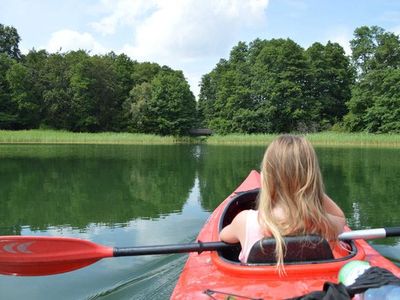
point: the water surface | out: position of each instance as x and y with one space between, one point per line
147 195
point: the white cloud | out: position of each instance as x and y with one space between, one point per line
121 13
183 29
190 35
342 36
66 40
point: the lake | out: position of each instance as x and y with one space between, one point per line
125 196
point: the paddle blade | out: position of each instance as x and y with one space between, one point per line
37 256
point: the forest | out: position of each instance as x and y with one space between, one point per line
265 86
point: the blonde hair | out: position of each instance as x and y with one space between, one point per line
291 180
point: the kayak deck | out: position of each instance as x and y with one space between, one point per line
217 274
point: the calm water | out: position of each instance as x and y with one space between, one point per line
147 195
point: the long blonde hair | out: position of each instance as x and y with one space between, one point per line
291 180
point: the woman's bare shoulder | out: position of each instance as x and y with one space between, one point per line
242 216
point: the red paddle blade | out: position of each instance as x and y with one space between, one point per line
36 256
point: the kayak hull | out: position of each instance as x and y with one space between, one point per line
210 276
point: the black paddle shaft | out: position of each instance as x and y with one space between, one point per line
169 249
213 246
392 231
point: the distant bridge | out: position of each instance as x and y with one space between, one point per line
200 132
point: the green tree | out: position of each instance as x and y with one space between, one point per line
57 97
27 87
374 105
173 105
144 72
211 99
8 109
263 87
330 80
95 95
137 108
374 48
9 40
280 72
166 106
9 54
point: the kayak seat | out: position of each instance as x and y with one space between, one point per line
308 248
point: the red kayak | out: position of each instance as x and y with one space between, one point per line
219 274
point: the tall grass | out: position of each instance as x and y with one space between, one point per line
65 137
318 139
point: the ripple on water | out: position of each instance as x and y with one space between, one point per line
154 280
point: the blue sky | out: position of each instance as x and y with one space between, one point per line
189 35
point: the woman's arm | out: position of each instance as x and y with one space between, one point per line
335 213
332 208
236 231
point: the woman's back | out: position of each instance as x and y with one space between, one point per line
292 199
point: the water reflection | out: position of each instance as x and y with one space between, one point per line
222 168
365 182
45 186
147 195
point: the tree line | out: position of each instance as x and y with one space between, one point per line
76 91
277 86
266 86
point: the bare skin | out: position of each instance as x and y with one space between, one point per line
236 231
335 213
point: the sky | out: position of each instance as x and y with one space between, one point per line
188 35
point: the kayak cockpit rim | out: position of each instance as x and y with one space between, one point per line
248 200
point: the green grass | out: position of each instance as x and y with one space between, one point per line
361 139
65 137
318 139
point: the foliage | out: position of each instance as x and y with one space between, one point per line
375 102
9 40
8 109
331 78
26 84
95 92
166 106
78 92
265 86
276 86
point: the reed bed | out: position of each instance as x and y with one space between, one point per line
317 139
65 137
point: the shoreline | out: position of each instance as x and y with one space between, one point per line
327 139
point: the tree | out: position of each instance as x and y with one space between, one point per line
374 48
137 108
212 98
8 109
144 72
374 105
173 104
57 96
331 77
9 40
261 88
95 95
27 87
124 70
280 72
166 106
